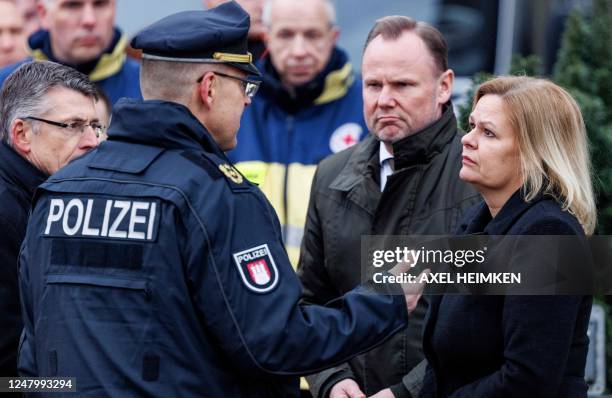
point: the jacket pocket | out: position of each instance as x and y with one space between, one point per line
97 310
98 280
101 281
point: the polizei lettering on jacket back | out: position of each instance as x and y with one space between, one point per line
96 217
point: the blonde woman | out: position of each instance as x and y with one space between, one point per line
526 153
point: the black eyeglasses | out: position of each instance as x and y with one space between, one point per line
250 87
75 127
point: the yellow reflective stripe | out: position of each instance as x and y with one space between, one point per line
298 192
294 256
337 84
270 177
303 384
108 65
254 171
298 195
38 55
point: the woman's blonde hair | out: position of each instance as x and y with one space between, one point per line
552 141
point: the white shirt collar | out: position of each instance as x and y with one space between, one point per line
384 157
384 154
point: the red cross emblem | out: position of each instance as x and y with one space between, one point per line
349 140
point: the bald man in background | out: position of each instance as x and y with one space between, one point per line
309 106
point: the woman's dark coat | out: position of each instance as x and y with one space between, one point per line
509 346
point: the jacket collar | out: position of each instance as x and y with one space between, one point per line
417 148
329 85
18 171
108 64
511 211
160 123
356 167
420 147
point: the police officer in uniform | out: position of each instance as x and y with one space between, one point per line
151 267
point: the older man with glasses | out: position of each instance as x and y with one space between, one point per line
47 118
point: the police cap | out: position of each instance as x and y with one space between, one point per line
216 35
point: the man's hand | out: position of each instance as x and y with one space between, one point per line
347 388
386 393
412 291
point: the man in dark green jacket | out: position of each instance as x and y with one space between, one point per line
402 179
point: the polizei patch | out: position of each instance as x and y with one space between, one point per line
257 268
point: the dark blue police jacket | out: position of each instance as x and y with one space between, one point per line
152 268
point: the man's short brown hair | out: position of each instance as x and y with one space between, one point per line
392 27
